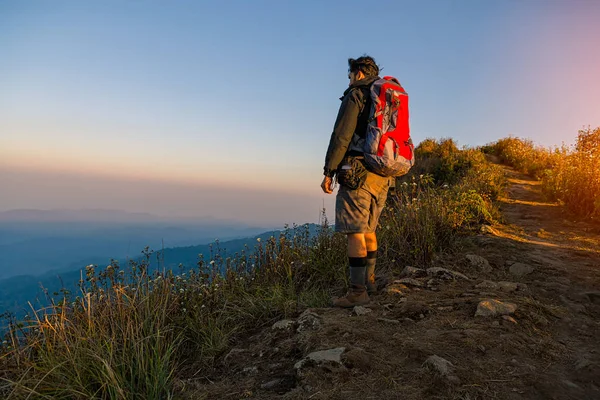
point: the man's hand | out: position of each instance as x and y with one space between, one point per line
327 185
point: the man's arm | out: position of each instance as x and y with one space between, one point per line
343 130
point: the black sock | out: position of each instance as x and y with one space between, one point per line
358 268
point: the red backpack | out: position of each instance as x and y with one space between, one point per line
389 150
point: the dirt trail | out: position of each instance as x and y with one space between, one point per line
549 348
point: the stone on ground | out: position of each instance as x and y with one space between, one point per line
487 285
479 262
520 269
308 321
360 310
397 289
493 308
324 356
440 365
283 325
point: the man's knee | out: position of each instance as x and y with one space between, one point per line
371 241
357 246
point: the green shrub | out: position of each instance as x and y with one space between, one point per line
571 176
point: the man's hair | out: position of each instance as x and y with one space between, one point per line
364 64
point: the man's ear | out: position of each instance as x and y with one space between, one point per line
359 75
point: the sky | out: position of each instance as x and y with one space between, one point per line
225 108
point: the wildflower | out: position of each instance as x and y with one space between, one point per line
184 310
181 290
203 306
258 239
212 262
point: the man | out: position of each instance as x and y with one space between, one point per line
361 198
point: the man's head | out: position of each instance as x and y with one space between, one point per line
362 67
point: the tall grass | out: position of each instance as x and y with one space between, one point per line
569 175
131 334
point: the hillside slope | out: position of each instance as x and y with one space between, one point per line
538 260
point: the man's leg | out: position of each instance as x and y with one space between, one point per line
371 247
357 258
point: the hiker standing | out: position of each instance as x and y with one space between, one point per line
362 193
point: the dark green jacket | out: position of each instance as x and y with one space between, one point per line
352 118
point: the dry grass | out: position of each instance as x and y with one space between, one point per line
131 332
568 175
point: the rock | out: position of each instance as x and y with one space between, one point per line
487 285
283 325
389 321
479 262
397 289
360 310
308 321
508 286
408 282
324 356
444 273
519 269
358 358
272 384
412 272
439 365
570 384
493 308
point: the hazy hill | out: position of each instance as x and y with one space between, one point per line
37 241
16 291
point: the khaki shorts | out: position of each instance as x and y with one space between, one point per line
358 211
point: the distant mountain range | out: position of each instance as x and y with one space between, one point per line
34 242
85 242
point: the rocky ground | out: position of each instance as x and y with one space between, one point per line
513 315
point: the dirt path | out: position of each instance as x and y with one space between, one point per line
549 348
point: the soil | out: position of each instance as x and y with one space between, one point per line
549 348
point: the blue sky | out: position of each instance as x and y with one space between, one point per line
243 94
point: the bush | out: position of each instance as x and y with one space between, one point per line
571 176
